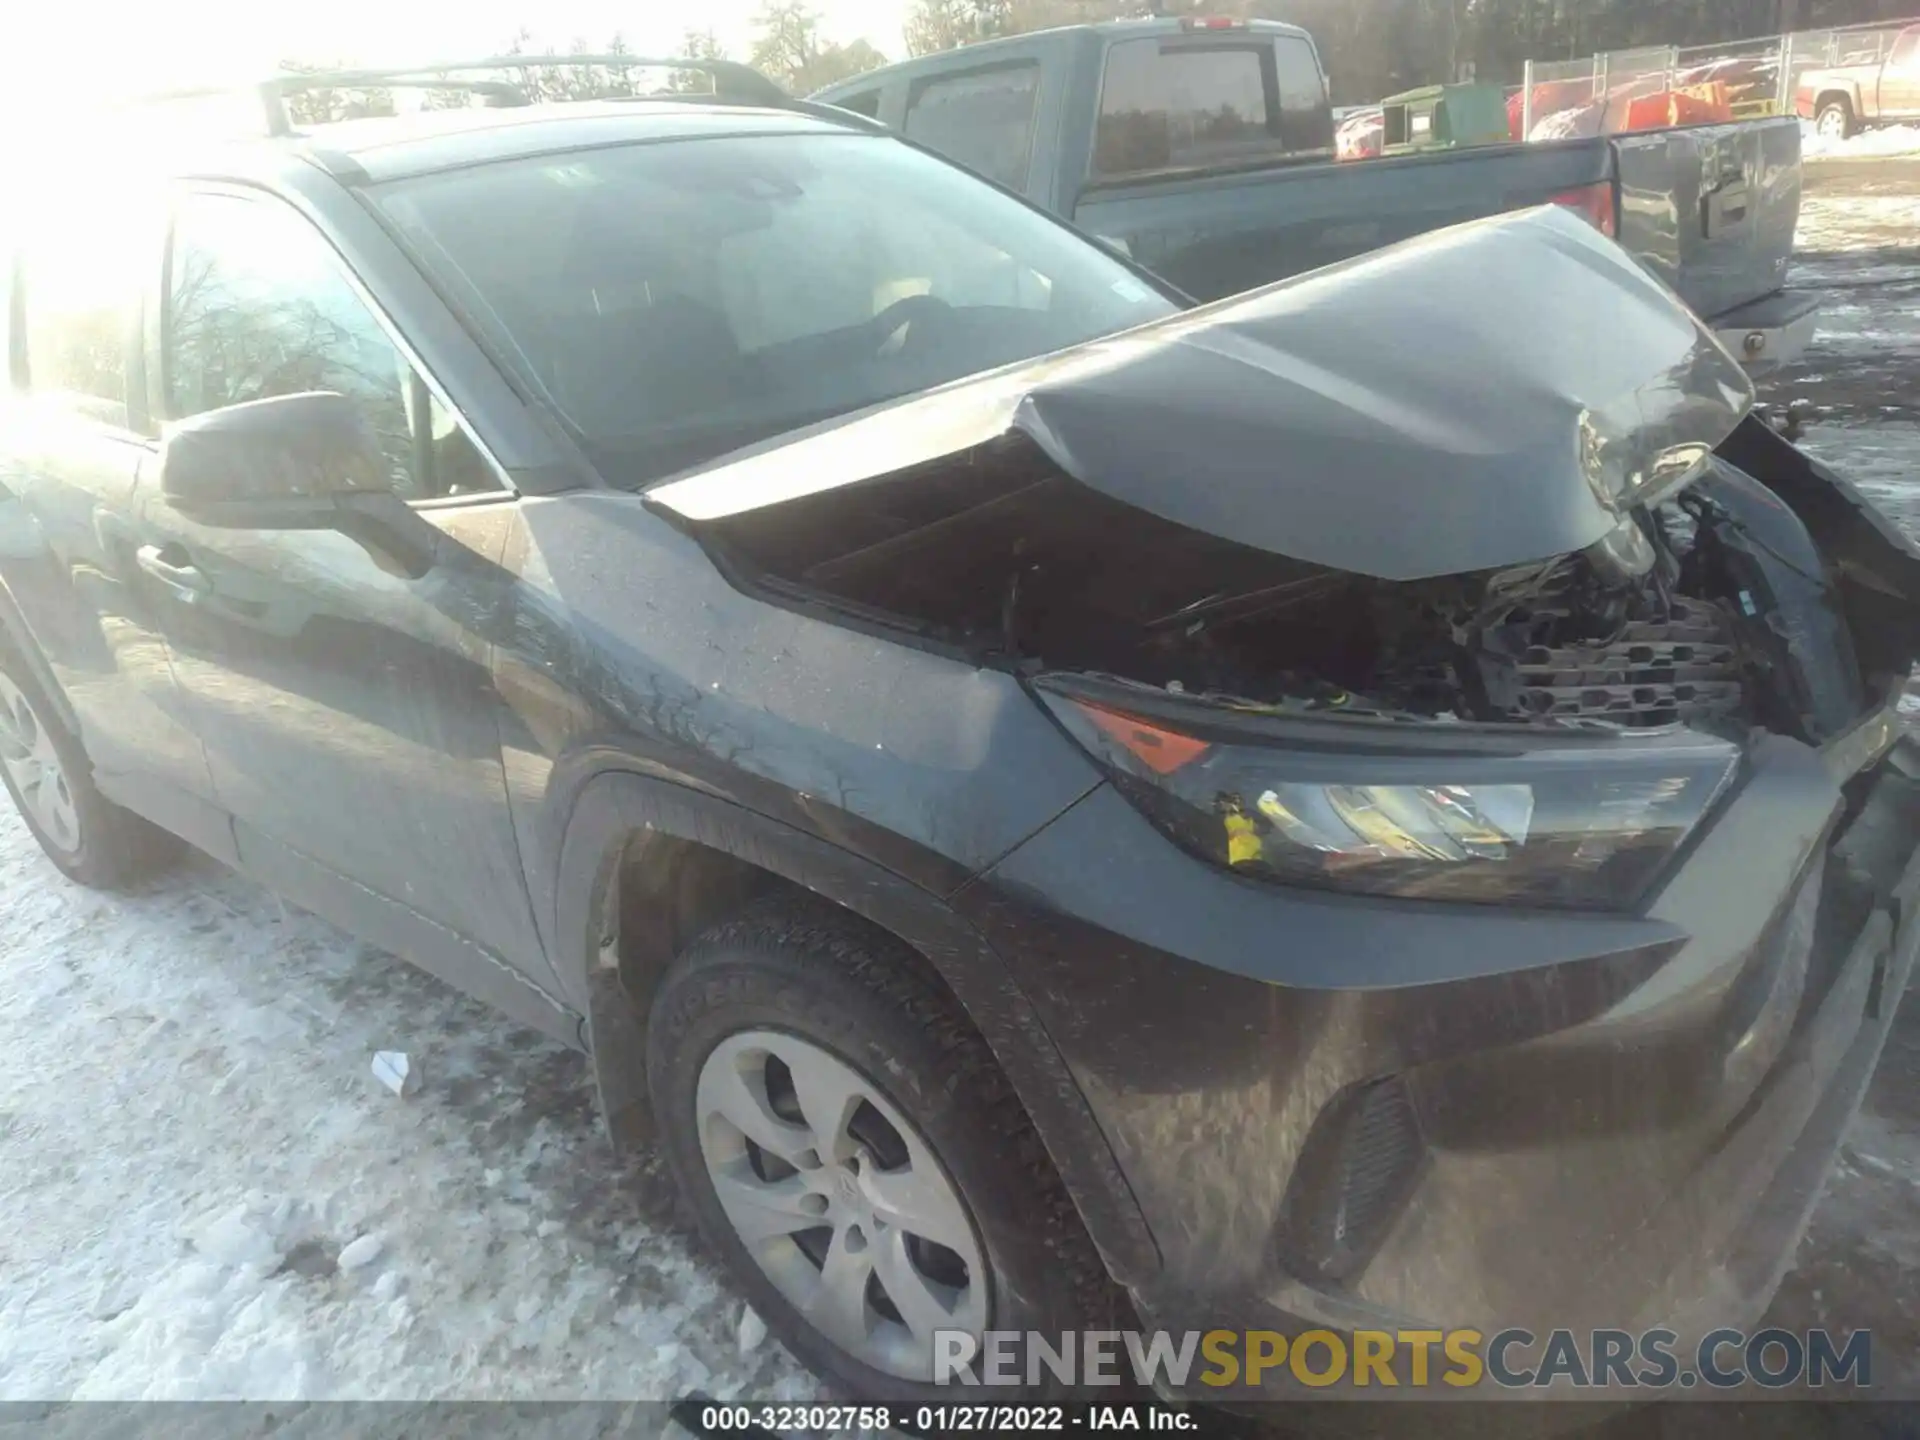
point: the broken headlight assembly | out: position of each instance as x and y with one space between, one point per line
1445 815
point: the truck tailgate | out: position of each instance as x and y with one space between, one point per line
1711 209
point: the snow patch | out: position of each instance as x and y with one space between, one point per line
190 1154
1838 224
753 1330
358 1254
1888 140
217 1324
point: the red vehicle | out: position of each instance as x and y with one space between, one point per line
1358 135
1846 99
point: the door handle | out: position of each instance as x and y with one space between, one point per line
170 565
1721 210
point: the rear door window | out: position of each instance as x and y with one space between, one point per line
80 277
983 119
1306 119
866 103
1177 103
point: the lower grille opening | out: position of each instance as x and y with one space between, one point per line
1356 1171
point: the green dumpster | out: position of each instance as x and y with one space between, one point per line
1443 117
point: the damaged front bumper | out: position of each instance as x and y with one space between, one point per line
1615 1124
1799 1117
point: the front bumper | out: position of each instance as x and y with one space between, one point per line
1351 1114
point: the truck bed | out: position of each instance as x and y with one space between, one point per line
1710 209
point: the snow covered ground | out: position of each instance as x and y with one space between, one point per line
203 1192
1890 140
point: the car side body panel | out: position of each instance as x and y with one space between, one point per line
649 702
624 637
623 800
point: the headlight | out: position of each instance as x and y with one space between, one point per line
1440 817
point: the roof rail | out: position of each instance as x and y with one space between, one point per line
731 81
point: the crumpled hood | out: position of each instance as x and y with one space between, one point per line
1483 396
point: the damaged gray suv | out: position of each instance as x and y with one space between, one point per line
1372 803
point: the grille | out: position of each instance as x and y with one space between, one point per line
1654 672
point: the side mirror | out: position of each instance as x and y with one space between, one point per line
293 462
272 459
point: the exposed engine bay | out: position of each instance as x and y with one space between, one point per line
1260 503
1497 630
1714 609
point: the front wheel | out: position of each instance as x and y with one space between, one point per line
1835 120
851 1148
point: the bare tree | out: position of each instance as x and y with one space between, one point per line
696 45
788 46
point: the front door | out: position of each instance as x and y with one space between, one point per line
347 707
1900 78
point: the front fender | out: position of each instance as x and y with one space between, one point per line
614 806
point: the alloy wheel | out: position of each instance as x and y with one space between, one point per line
839 1200
1833 123
34 766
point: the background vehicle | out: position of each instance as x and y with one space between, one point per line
1357 136
1031 792
1847 98
1199 147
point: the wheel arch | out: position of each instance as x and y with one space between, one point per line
18 640
645 864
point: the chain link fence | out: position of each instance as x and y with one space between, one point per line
1759 73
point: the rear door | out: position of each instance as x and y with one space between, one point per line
1711 209
75 439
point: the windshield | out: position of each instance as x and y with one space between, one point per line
678 300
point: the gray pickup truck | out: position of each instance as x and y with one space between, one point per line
1202 149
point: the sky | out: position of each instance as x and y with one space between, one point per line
127 47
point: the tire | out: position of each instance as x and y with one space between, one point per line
1835 120
47 773
798 981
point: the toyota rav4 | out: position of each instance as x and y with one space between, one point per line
1376 801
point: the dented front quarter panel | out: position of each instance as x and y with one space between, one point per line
1484 396
626 650
1875 566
